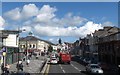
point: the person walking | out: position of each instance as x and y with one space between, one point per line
27 62
19 66
2 67
5 70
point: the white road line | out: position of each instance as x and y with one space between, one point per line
63 71
62 68
75 67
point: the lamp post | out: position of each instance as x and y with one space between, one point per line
4 36
26 50
19 31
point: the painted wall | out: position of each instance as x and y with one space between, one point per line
11 40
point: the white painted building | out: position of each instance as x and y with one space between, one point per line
55 47
33 44
9 40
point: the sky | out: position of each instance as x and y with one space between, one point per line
0 8
60 0
54 20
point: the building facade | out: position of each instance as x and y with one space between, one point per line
9 40
33 44
102 45
109 48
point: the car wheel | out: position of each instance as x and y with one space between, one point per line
68 62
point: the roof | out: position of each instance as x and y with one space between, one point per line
28 38
48 42
106 31
5 33
33 38
10 31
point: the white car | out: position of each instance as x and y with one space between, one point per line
94 68
53 60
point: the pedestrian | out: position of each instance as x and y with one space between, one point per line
19 65
5 70
27 62
24 58
2 67
29 56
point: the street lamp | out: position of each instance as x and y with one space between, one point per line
26 49
19 31
4 36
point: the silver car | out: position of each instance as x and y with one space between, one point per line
53 60
94 69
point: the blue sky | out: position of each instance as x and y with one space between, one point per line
0 8
68 20
60 0
93 11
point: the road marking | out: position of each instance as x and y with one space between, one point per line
63 71
62 68
75 67
47 70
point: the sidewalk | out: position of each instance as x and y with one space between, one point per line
34 66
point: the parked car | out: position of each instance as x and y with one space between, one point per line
81 58
94 69
87 61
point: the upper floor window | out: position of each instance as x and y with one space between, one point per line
30 46
33 46
23 46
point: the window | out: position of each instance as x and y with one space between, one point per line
23 46
30 46
33 46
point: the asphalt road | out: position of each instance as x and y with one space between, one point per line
70 69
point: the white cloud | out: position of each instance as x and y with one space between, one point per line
46 13
13 14
71 20
27 22
2 22
44 22
26 12
51 39
29 10
89 27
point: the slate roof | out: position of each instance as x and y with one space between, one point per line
106 31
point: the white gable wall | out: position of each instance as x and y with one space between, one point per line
11 40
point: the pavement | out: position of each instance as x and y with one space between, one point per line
34 65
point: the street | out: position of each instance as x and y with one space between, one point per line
73 68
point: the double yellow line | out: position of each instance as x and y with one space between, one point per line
47 69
